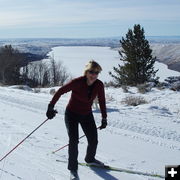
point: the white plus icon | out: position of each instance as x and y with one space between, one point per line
172 172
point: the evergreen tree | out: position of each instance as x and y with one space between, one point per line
137 56
11 60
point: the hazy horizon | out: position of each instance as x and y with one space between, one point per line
108 37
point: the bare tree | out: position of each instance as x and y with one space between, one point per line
35 72
41 73
58 72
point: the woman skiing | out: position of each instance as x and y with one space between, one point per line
78 111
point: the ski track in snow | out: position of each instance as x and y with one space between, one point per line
154 124
159 127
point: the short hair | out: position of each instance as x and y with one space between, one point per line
92 65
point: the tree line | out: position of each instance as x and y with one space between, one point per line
16 69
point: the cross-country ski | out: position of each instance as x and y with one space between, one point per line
110 168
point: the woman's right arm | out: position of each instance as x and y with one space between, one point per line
64 89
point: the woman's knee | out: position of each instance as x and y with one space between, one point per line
93 141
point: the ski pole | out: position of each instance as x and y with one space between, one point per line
68 144
22 141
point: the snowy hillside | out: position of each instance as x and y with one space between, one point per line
168 53
143 138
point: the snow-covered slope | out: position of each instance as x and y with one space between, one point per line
143 138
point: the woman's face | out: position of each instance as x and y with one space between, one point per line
92 75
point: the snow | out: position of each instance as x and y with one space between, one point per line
75 58
143 138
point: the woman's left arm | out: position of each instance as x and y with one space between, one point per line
102 100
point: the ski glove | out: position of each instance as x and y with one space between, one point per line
51 113
103 124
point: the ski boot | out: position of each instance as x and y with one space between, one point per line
96 162
74 175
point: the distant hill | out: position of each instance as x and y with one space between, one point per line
168 53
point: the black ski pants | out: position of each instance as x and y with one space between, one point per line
72 121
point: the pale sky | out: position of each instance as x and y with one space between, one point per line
87 18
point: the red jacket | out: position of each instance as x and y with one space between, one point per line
79 101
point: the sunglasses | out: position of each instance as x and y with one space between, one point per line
93 72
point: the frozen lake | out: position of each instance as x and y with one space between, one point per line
74 59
